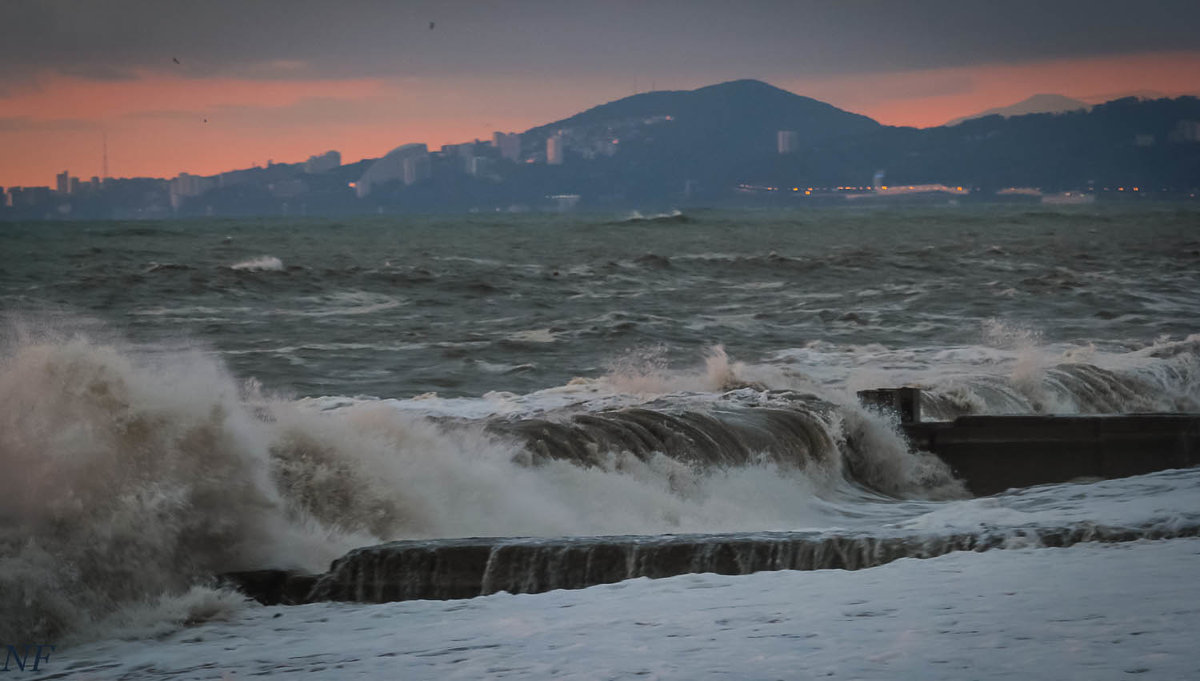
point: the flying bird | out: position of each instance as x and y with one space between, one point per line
431 25
175 59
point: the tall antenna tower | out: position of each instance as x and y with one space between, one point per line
104 161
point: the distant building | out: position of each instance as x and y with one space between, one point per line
478 165
36 195
63 182
787 141
287 189
554 149
1186 131
509 144
323 163
186 185
73 185
416 168
395 166
460 155
18 197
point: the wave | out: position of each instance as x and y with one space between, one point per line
266 263
1164 377
673 217
134 475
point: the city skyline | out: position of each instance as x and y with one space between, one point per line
206 89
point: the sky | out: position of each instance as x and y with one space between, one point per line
208 86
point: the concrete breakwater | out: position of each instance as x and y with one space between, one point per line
467 568
993 453
988 453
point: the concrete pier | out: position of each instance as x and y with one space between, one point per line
994 453
443 569
989 453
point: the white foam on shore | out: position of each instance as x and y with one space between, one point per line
1089 611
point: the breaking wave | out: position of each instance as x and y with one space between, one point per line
266 263
673 217
134 475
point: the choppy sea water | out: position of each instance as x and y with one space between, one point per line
185 398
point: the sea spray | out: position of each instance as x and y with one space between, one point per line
125 481
265 263
134 475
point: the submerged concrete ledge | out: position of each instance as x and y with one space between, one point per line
989 453
993 453
466 568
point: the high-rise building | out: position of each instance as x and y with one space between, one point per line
509 144
787 141
554 149
1185 131
323 162
63 182
73 185
416 168
185 186
396 166
19 197
478 165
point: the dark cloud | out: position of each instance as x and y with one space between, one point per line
98 71
708 38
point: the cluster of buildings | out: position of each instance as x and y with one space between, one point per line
412 163
479 172
405 165
65 185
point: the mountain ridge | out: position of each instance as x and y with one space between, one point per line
1035 104
709 146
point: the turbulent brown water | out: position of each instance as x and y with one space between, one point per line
184 398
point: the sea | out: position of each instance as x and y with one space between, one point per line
180 399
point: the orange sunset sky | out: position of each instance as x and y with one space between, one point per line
208 87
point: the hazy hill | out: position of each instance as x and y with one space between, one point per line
738 115
718 144
666 138
1122 142
1032 105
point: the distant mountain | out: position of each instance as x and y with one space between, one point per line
747 109
1148 143
713 146
668 138
1140 94
1033 105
